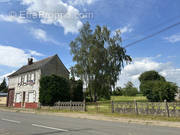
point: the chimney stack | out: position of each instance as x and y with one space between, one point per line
30 61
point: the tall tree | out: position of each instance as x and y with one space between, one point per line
3 86
99 59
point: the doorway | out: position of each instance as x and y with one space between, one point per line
10 99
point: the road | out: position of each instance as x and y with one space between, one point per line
14 123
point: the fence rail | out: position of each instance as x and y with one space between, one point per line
171 109
72 106
138 108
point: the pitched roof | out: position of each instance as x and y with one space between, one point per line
34 66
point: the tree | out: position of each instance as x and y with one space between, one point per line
130 90
76 91
149 76
117 92
3 86
156 88
99 59
53 89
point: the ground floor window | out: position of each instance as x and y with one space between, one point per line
31 97
18 97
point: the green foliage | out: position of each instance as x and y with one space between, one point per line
99 59
156 88
129 90
53 89
117 92
76 91
151 76
3 86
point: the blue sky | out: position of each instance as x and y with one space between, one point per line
43 36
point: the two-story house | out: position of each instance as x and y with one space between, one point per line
23 86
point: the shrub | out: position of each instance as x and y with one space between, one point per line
53 89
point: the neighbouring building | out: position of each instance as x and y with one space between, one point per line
23 85
3 99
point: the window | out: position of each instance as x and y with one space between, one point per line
33 77
31 97
25 78
18 97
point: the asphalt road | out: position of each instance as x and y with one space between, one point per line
12 123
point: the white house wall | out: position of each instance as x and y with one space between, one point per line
13 83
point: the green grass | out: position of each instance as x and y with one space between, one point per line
128 99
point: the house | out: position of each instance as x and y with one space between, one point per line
23 86
3 99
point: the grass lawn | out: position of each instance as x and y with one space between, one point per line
127 99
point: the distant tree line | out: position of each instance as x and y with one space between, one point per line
3 86
128 90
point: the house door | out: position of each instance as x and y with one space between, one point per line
10 97
24 96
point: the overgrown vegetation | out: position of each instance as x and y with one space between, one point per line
53 89
156 88
76 91
99 59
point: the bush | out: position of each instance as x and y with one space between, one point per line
53 89
158 91
76 91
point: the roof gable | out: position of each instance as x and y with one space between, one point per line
35 66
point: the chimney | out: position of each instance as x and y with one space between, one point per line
30 61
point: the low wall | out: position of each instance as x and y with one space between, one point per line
3 101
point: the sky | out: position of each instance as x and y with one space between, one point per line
42 28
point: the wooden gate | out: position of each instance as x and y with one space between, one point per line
10 98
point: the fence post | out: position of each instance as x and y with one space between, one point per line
84 105
167 107
136 107
70 105
97 110
112 106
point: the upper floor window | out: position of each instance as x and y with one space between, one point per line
27 79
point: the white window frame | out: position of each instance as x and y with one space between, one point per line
33 98
19 98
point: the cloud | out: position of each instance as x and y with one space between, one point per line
132 71
81 2
5 76
174 38
13 57
56 12
42 35
9 18
124 30
35 53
